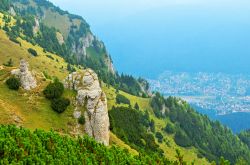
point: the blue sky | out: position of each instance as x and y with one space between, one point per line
113 9
146 37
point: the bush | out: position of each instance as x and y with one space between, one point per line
49 56
60 105
13 83
182 139
54 90
169 128
32 51
136 106
81 120
159 136
122 99
15 40
9 63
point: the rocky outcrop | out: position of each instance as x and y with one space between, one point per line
27 80
36 26
81 49
12 11
93 99
60 38
110 65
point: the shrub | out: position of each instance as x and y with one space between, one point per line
9 63
13 83
169 128
32 51
49 56
159 136
81 120
122 99
182 139
54 90
13 39
136 106
60 105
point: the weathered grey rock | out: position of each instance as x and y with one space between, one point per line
77 114
12 11
36 26
27 80
60 38
93 99
81 49
110 65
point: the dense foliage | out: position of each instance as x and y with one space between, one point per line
13 83
157 103
32 52
159 136
182 139
131 126
21 146
121 99
4 5
245 137
81 120
60 104
212 139
54 90
169 128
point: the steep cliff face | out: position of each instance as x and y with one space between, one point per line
75 41
84 42
93 99
27 80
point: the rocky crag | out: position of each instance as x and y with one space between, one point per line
93 100
27 80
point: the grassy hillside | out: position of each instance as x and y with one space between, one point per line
32 110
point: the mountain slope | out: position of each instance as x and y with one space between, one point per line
69 36
32 110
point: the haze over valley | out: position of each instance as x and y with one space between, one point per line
185 37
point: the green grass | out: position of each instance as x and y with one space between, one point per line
40 63
34 110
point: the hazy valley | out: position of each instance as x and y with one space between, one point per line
217 94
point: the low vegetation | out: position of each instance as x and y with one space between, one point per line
60 104
33 52
54 90
13 83
21 146
81 120
121 99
